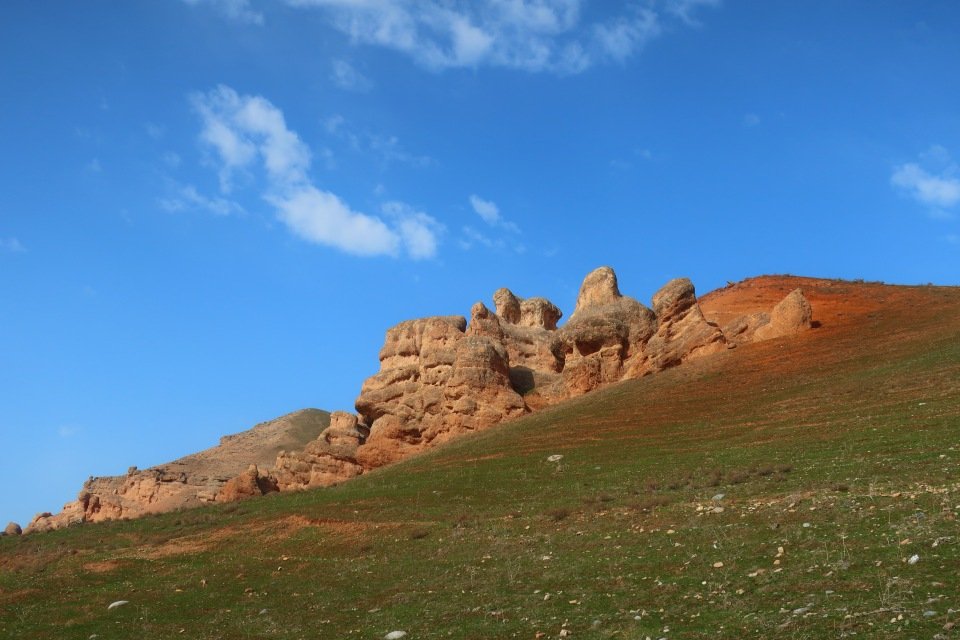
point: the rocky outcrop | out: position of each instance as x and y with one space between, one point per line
441 377
330 458
435 381
607 330
682 332
187 482
249 484
12 529
792 315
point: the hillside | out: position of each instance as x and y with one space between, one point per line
801 487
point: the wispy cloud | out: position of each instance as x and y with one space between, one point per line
12 245
187 198
345 76
67 431
531 35
686 10
751 120
933 181
236 10
249 134
471 237
386 148
490 213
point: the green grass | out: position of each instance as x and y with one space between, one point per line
842 450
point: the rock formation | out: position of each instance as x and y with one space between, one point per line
440 377
330 458
434 381
190 481
791 316
249 484
12 529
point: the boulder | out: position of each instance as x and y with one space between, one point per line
12 529
791 316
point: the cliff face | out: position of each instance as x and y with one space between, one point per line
441 377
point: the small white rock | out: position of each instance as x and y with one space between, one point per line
555 458
914 559
118 603
394 635
718 497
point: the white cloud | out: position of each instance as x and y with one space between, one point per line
751 120
237 10
323 218
249 133
12 245
187 198
345 76
490 213
242 128
418 231
486 209
532 35
933 182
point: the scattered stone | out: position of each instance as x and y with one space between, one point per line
555 458
914 559
718 497
395 635
118 603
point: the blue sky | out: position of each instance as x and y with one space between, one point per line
212 210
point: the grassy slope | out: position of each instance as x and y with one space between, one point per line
836 453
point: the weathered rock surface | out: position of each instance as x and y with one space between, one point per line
606 331
435 381
249 484
791 316
682 331
330 458
12 529
439 378
189 481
